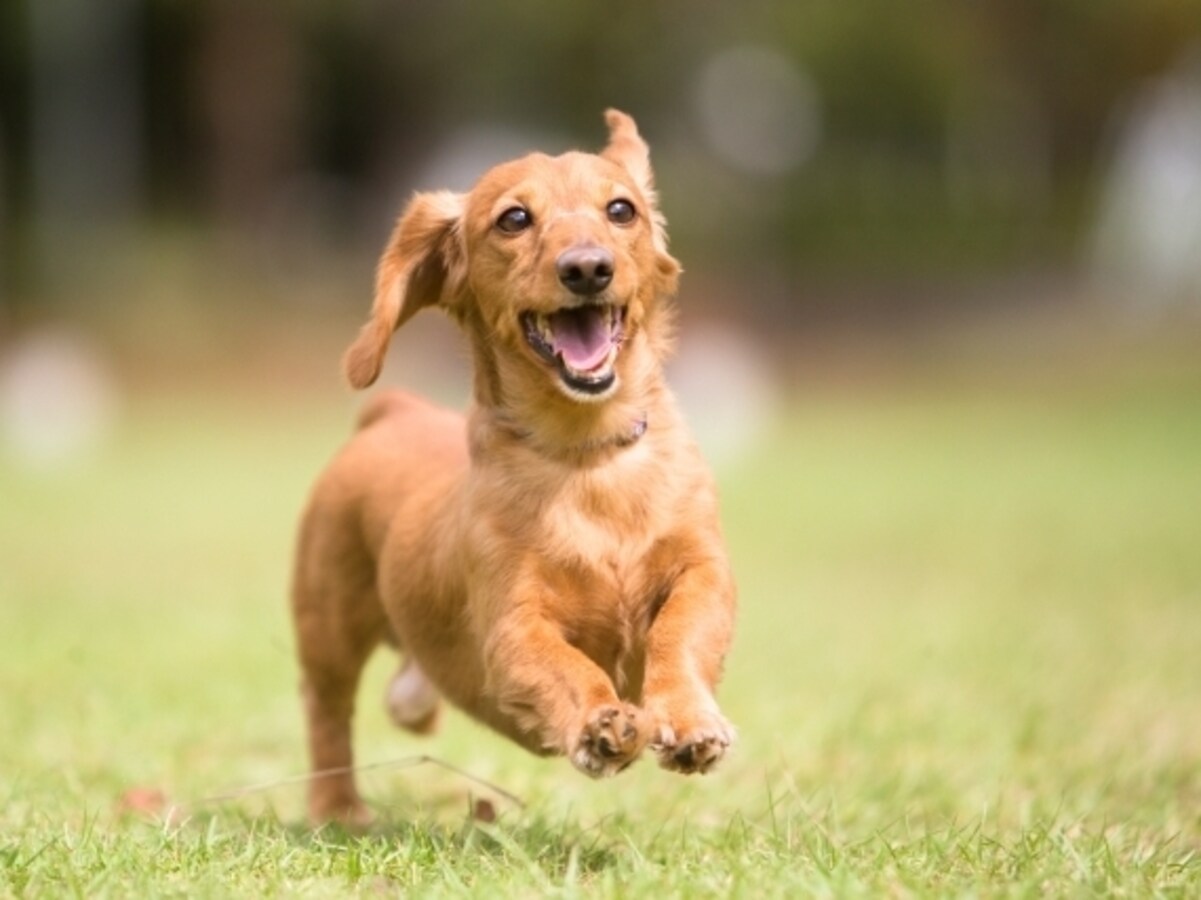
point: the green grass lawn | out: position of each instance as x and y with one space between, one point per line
968 662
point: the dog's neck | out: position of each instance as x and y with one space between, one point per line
600 443
538 416
559 428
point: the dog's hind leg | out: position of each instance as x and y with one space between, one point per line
339 621
412 700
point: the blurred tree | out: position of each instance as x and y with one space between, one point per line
953 136
249 73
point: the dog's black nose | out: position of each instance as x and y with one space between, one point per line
585 270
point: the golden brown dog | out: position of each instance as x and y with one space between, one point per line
552 563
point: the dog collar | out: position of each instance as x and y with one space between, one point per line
621 441
628 438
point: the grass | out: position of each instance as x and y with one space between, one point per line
969 662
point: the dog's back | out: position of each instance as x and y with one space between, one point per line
403 454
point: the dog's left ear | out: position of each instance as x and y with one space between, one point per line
421 265
628 149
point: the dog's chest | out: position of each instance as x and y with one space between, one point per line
607 522
599 540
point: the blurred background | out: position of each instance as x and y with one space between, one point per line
941 339
194 193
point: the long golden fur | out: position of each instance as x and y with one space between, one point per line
552 563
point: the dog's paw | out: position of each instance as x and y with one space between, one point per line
694 745
349 814
610 739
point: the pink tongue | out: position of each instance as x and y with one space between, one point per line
582 336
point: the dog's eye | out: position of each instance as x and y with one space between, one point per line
514 220
621 212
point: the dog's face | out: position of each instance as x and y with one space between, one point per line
561 260
558 261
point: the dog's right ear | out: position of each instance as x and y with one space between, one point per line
421 265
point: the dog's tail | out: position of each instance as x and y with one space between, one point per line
383 404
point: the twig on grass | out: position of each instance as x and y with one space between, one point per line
404 762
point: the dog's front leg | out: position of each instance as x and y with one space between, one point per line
686 646
551 689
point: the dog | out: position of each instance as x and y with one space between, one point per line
551 563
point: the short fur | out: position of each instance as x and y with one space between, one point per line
552 564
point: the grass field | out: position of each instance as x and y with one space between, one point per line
968 662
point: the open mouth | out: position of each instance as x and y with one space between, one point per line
582 342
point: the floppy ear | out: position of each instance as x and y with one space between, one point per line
628 149
418 267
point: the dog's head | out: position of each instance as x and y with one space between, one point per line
556 267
